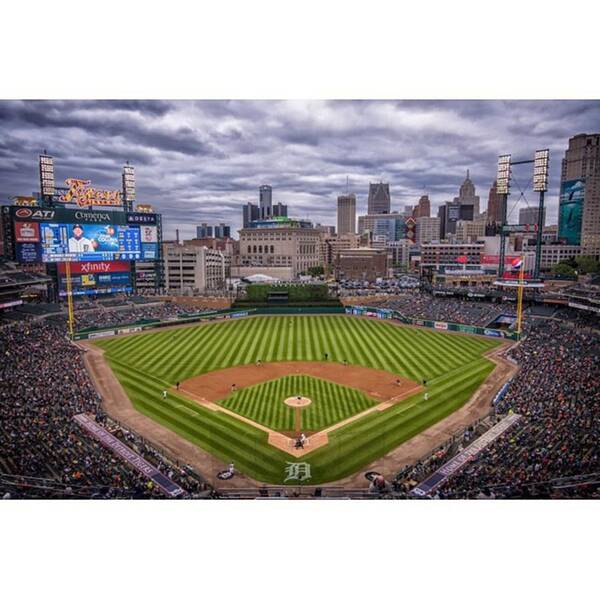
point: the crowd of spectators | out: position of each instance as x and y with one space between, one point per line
43 384
106 317
421 305
556 392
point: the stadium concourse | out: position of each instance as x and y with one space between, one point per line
553 450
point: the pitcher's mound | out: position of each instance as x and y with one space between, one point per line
297 401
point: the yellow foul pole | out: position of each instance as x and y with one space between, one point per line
69 298
520 296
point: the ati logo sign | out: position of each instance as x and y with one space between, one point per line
82 195
297 471
41 215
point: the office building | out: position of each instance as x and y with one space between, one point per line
189 269
265 201
469 231
364 264
450 213
399 253
222 231
346 214
204 231
379 201
579 203
436 254
281 249
427 229
250 213
280 210
393 226
423 208
529 215
494 207
332 246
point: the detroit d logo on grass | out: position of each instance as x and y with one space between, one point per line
297 471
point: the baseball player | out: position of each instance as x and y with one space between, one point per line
164 394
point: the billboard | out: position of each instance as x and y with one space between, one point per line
96 277
570 211
59 234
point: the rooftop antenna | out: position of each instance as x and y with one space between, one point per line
347 178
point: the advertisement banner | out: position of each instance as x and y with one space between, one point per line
467 455
494 259
492 333
27 232
106 438
28 252
101 334
440 325
100 267
570 211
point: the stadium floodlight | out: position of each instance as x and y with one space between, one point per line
503 175
47 175
129 183
540 170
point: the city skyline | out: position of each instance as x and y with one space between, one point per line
201 161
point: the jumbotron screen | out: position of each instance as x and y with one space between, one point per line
60 235
77 242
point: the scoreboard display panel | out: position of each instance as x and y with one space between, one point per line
55 235
77 242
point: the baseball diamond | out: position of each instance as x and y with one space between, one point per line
453 366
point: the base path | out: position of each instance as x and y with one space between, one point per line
415 448
379 385
117 405
382 386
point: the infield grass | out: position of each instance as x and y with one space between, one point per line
146 364
330 402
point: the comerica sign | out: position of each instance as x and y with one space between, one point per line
80 193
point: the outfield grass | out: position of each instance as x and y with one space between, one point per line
146 364
331 403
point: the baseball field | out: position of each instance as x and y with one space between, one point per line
364 379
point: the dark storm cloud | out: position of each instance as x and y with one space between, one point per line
201 160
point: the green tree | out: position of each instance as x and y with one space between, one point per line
587 264
316 271
562 268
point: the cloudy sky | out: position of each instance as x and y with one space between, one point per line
200 161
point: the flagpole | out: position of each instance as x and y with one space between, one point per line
520 296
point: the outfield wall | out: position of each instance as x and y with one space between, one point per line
385 313
380 313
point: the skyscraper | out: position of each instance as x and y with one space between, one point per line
265 201
379 199
494 207
280 210
204 231
222 231
466 195
346 214
423 208
579 205
250 212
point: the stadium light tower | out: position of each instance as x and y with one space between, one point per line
503 188
540 184
47 185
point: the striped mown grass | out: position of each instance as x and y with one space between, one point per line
331 403
146 364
